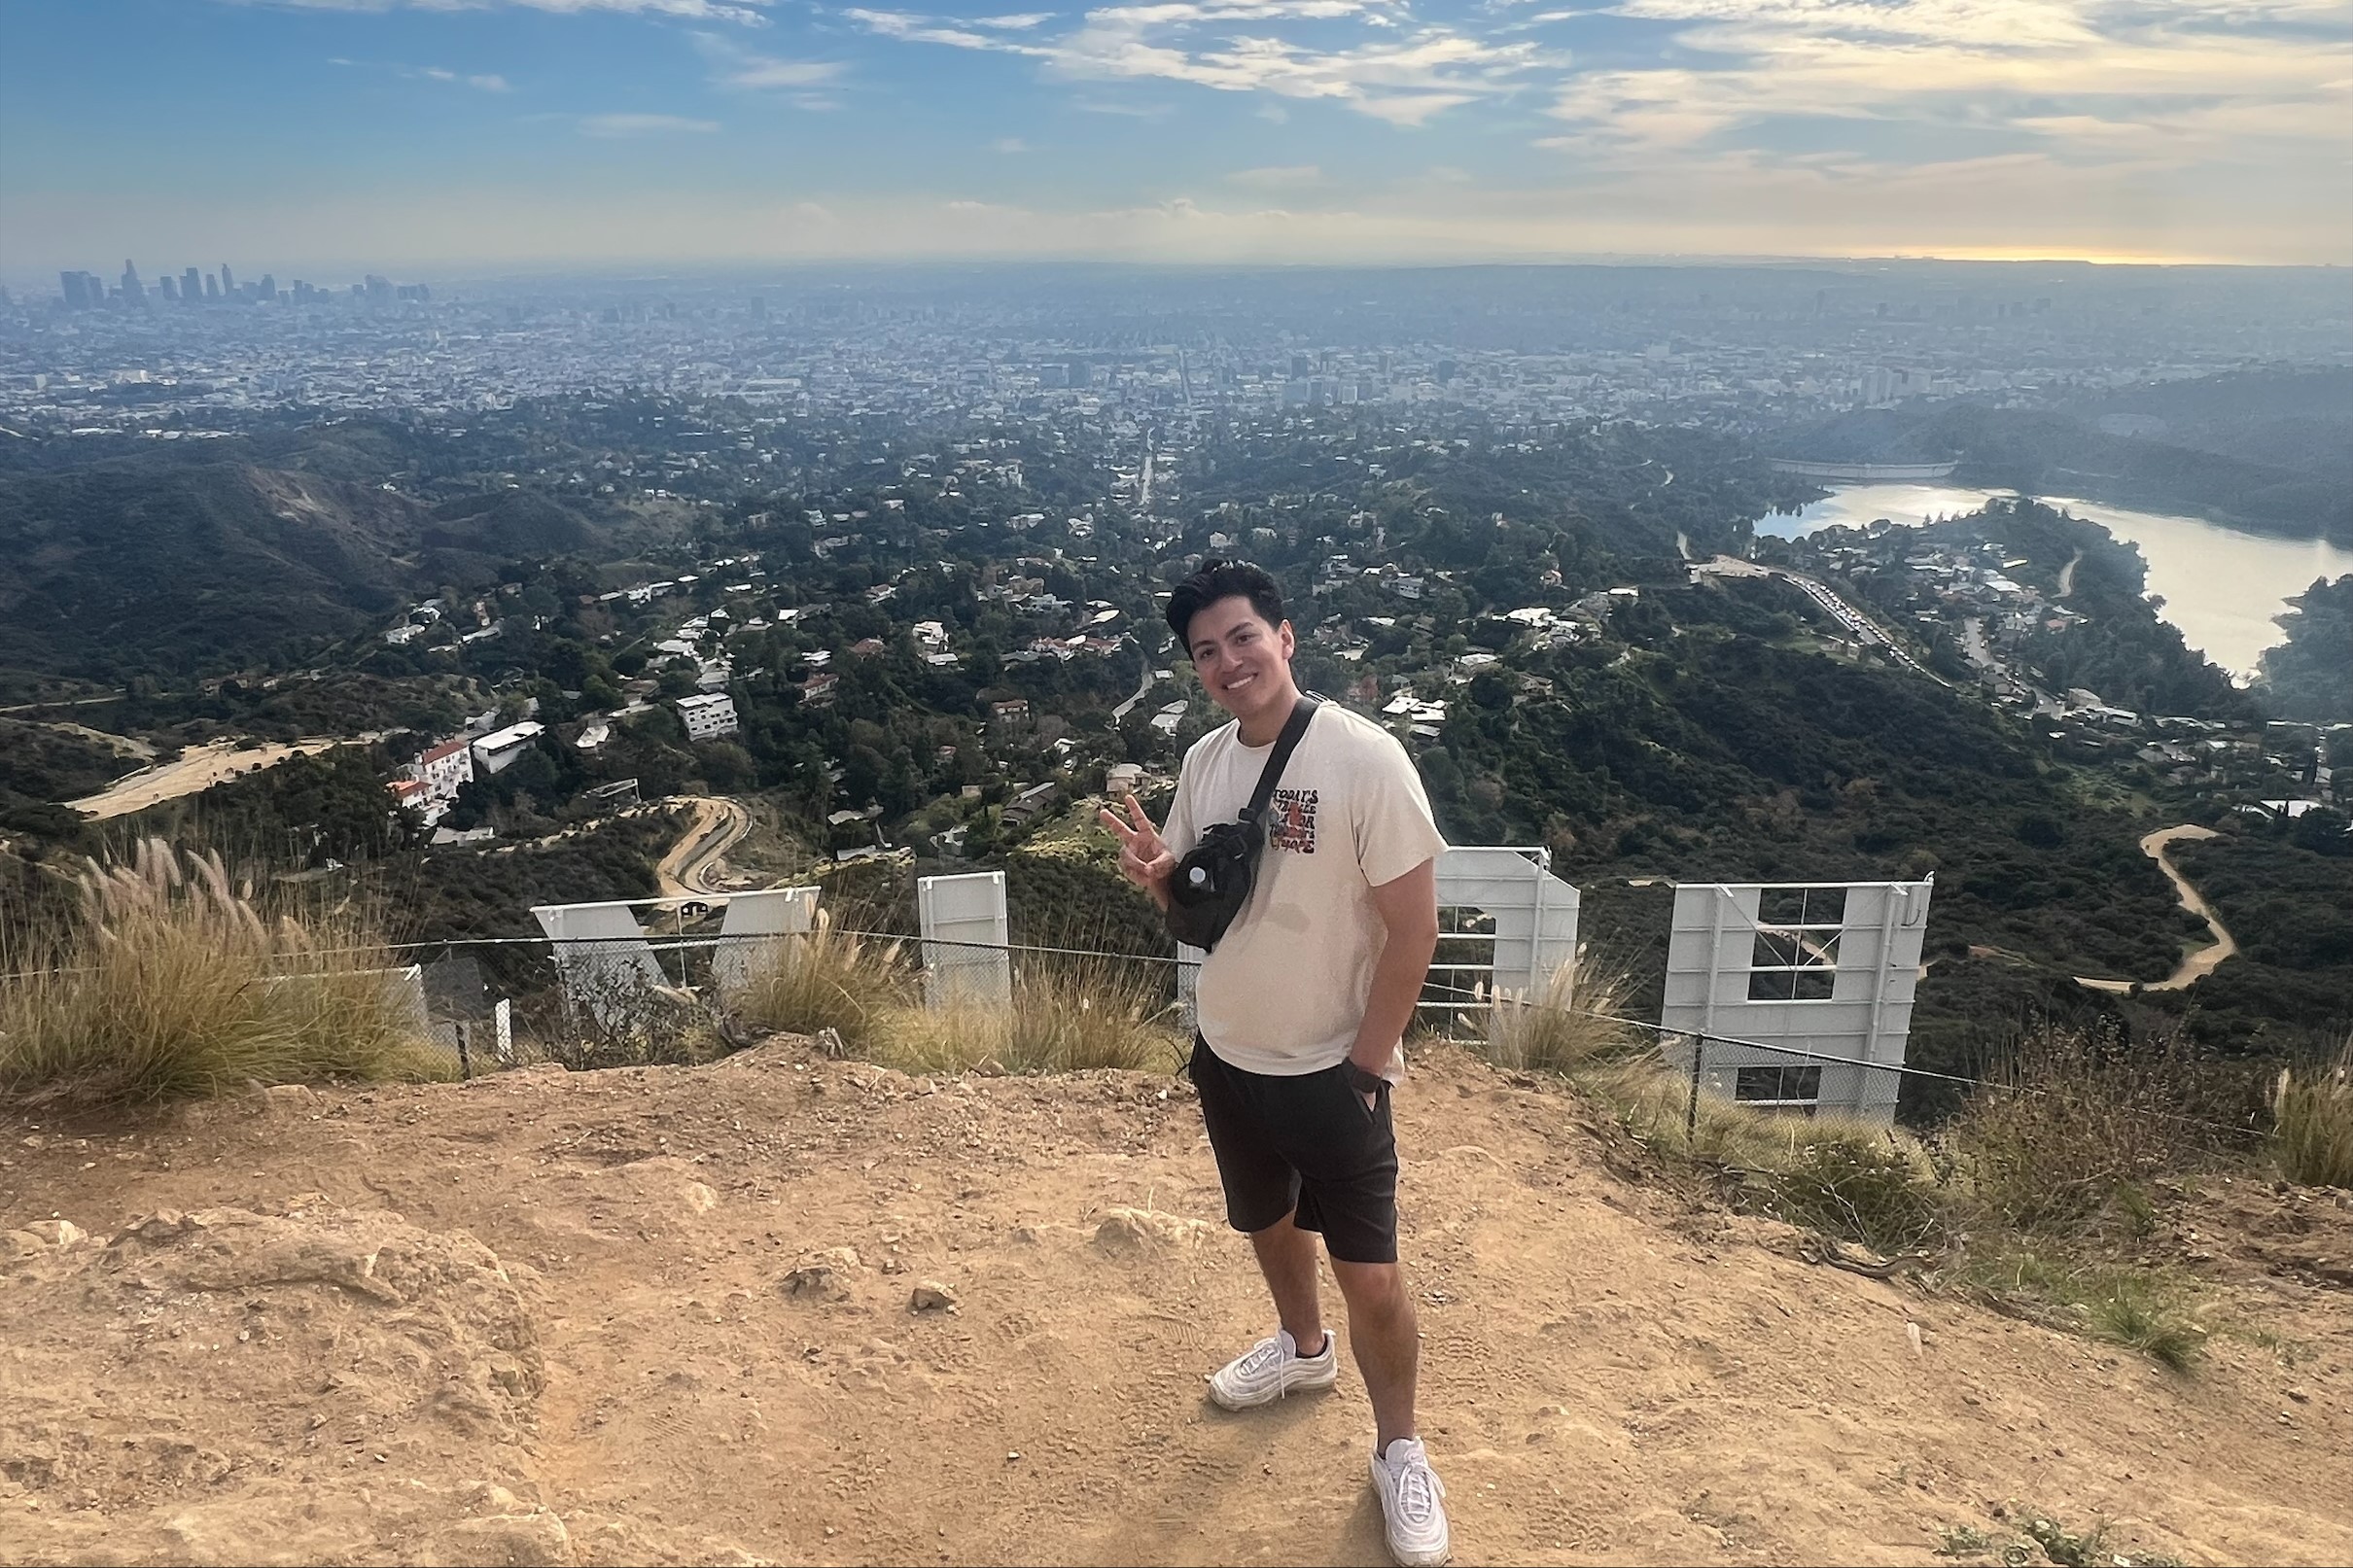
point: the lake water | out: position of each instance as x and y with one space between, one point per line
2220 586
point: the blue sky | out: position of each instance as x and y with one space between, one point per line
449 134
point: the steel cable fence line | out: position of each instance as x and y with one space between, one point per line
1471 996
674 940
1925 1073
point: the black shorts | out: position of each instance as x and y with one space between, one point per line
1306 1146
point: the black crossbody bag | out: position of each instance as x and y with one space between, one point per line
1213 881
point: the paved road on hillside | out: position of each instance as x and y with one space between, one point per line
1144 684
719 825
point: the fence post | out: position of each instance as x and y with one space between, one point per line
465 1061
1691 1110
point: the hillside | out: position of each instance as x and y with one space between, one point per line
2263 451
126 567
154 564
665 1315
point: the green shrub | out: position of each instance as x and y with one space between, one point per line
2064 1134
1866 1189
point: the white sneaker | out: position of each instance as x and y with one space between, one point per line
1273 1368
1413 1504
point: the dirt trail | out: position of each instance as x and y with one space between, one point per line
719 825
664 1314
197 768
2202 962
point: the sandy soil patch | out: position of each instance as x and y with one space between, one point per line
197 768
804 1310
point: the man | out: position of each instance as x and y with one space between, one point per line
1301 1007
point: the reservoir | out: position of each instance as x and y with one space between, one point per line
2220 586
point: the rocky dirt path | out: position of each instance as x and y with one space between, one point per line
665 1315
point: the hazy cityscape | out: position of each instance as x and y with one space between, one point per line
1740 348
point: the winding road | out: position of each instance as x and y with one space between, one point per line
719 825
1144 684
2193 965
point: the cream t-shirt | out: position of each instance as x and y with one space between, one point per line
1284 990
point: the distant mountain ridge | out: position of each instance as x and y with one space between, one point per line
2267 451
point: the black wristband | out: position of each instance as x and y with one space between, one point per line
1361 1081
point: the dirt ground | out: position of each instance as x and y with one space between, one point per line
197 768
669 1315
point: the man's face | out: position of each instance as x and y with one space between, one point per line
1244 663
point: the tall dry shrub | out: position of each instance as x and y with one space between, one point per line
1066 1015
1570 1024
828 978
2073 1124
176 980
2312 1123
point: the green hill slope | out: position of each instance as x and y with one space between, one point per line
122 568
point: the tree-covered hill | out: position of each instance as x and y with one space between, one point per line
2270 451
155 565
2310 676
127 568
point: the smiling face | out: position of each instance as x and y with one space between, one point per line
1245 664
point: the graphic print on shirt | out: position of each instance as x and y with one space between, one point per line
1291 821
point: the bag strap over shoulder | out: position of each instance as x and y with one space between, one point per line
1286 743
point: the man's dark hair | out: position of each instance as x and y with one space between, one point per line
1222 580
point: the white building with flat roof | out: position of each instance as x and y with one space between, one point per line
496 752
708 715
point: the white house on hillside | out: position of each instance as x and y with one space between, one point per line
709 716
496 752
430 784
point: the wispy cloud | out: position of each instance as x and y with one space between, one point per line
803 82
2093 80
1279 177
485 81
1011 145
1394 68
743 12
627 124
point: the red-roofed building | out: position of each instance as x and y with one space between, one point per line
437 774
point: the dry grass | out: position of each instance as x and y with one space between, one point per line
828 979
1066 1016
2066 1134
2312 1124
1839 1175
1568 1025
177 982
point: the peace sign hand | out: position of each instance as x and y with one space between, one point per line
1144 857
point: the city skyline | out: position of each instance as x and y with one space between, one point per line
523 134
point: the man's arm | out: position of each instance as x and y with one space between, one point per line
1408 906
